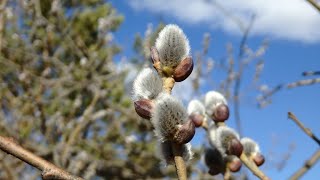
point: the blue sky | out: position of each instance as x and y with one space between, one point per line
292 27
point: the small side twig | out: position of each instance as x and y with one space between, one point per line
304 82
306 130
307 165
253 167
49 170
314 4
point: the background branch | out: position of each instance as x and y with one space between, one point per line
308 164
306 130
314 4
49 170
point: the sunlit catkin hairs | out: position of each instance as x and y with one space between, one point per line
166 154
252 150
170 56
225 139
147 85
172 45
197 112
170 120
216 106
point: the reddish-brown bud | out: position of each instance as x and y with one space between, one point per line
154 55
235 165
221 113
258 159
185 133
197 119
183 70
144 108
235 147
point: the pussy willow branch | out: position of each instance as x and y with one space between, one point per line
303 128
239 76
314 4
49 170
246 161
307 165
314 158
180 165
253 167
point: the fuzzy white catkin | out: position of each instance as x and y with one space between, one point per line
212 100
147 85
250 147
166 154
167 116
219 135
195 106
172 45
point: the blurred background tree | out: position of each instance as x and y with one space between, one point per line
63 97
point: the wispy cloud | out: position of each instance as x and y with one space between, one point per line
285 19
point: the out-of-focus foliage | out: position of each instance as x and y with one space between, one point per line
62 97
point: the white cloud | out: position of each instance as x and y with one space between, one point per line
283 19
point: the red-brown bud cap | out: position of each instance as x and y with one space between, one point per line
234 147
234 165
197 119
221 113
258 159
144 108
183 70
185 133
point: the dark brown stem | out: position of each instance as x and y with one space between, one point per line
49 170
303 128
308 164
314 4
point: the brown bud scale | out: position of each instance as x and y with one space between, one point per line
184 133
183 70
221 113
144 108
197 119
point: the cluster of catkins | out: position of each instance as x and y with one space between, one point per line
226 145
152 93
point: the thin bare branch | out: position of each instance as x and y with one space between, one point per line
49 170
253 167
304 82
239 76
314 4
306 130
310 73
307 165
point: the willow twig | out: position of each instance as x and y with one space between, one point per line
181 170
253 167
306 130
49 170
307 165
314 4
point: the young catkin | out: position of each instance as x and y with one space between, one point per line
220 136
147 85
168 115
172 45
250 147
212 100
195 106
